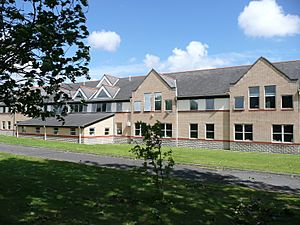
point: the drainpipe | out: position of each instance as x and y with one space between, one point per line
17 131
176 112
79 135
14 124
45 133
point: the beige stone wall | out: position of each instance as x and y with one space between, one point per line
100 128
153 83
125 119
12 118
262 74
64 131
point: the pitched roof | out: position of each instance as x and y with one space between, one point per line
71 120
127 85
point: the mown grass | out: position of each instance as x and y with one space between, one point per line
36 191
280 163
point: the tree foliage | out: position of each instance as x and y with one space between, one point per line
41 46
161 162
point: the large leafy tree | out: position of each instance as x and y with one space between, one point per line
41 46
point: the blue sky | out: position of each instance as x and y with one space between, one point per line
129 37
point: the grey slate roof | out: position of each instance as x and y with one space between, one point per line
112 79
71 120
127 85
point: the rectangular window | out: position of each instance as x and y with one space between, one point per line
157 100
75 108
287 102
101 107
119 128
106 131
72 131
3 125
23 129
55 130
37 130
270 97
193 104
168 105
119 106
210 131
92 131
243 132
209 104
239 102
147 102
193 130
8 125
166 130
283 133
137 129
137 106
253 97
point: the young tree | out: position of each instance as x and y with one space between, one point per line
160 161
41 46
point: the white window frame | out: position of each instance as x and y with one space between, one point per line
292 101
249 97
269 95
139 129
148 109
190 131
243 131
209 131
282 133
161 100
164 130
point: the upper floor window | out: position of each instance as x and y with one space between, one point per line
239 102
209 104
147 102
158 98
137 106
78 108
79 95
253 97
287 101
193 130
102 94
243 132
270 97
193 104
168 105
283 133
119 106
101 107
166 130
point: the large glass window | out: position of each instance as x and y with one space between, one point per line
78 108
270 97
253 97
101 107
283 133
119 106
147 102
210 131
137 106
193 130
168 105
193 104
239 102
243 132
158 100
209 104
166 130
287 101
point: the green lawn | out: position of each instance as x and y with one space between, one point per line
35 191
281 163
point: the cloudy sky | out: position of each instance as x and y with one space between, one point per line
129 37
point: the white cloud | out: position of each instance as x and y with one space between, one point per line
267 19
105 40
194 57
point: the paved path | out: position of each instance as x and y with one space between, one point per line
261 180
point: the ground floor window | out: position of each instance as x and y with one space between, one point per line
72 131
37 130
23 129
210 131
106 131
166 130
193 130
119 128
138 129
92 131
3 125
283 133
55 130
243 132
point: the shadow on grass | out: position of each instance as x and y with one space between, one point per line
53 192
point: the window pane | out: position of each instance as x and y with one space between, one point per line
248 128
119 106
239 128
147 99
194 126
169 126
168 104
238 136
288 137
210 104
270 90
157 101
287 101
193 104
194 134
270 102
210 135
254 102
276 128
254 91
277 137
239 102
169 133
210 127
137 106
249 136
288 129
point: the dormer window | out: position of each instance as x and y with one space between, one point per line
79 95
102 94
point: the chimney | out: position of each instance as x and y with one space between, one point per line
129 78
83 83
